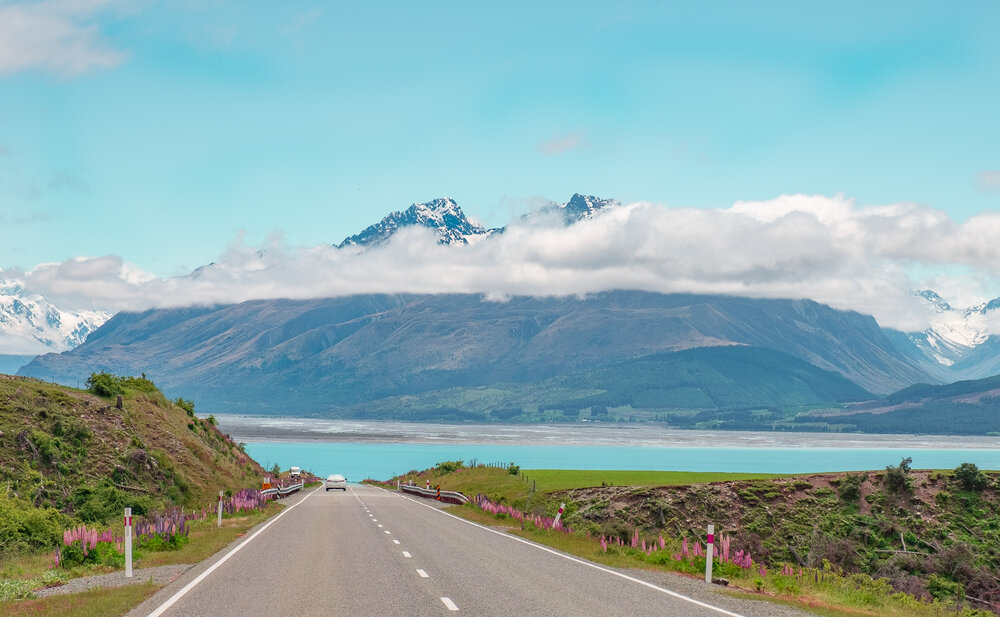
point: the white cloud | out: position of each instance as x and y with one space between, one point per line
827 249
300 21
562 144
57 36
988 180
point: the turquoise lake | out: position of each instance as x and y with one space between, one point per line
358 461
380 450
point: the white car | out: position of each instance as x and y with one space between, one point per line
336 481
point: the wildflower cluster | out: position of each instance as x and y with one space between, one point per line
496 509
87 545
244 500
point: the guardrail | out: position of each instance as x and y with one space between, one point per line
453 497
281 491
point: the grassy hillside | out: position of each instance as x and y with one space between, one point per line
729 387
897 542
68 455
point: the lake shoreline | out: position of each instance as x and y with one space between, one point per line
285 429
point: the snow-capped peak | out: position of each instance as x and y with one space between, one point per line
30 324
955 332
443 215
932 298
585 206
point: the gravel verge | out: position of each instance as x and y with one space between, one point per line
698 589
161 575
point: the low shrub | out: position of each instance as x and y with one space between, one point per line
24 528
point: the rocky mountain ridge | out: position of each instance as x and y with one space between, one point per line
30 325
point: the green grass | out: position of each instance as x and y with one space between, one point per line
567 479
825 591
19 575
92 603
832 595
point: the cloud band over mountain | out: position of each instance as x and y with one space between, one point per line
827 249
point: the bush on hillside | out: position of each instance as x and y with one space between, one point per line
970 477
186 405
850 487
24 528
104 384
897 479
106 502
107 385
449 466
140 384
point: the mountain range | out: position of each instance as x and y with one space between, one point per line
301 355
334 355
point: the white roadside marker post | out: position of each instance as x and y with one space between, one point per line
220 508
128 542
709 552
562 506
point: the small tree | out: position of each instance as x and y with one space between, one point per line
104 384
897 479
850 487
970 477
186 405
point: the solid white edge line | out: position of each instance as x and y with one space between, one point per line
449 604
576 560
180 594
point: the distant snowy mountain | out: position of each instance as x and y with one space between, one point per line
30 324
956 332
446 219
442 215
579 207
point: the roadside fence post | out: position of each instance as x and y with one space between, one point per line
220 508
709 552
555 523
428 485
128 542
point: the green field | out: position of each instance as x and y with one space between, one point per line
566 479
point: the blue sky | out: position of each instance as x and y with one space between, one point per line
160 132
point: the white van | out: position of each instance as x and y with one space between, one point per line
295 472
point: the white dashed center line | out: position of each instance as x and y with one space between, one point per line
449 604
422 574
407 554
395 541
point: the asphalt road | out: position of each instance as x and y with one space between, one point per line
373 552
